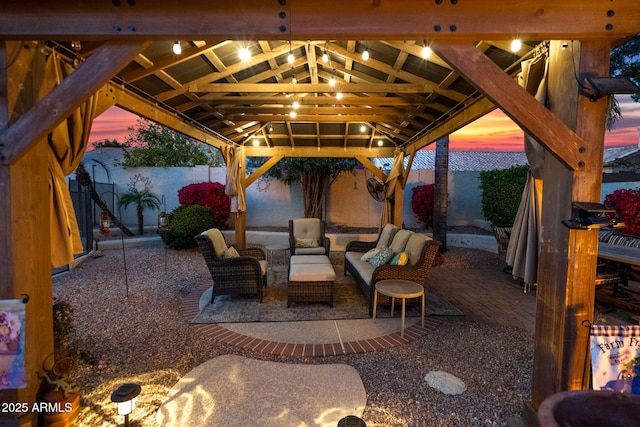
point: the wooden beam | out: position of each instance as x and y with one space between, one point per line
372 167
298 151
113 94
392 101
310 88
318 20
263 169
65 98
516 102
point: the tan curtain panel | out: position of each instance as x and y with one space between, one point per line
397 172
233 158
67 144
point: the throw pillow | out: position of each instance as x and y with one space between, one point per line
400 259
370 254
230 253
381 257
306 242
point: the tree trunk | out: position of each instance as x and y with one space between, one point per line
441 195
85 180
139 209
314 188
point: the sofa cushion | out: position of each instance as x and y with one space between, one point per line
307 227
382 257
362 267
414 247
386 235
400 240
370 254
230 253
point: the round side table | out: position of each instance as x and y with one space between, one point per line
397 288
275 248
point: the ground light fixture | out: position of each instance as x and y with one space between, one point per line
163 218
352 421
125 399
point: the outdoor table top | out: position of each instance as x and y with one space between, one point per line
618 253
398 288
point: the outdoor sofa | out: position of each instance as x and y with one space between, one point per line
416 251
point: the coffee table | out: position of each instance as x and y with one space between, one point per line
397 288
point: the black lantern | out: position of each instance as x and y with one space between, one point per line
125 398
163 221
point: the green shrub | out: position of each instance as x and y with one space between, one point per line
185 222
501 193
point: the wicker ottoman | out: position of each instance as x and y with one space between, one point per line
311 279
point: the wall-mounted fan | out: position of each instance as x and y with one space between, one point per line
377 189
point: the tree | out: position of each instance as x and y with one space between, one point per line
151 144
441 194
141 197
108 143
315 174
624 62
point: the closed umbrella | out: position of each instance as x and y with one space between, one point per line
397 172
235 169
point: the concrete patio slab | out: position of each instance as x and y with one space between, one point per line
235 391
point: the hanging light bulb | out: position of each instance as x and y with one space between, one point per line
177 49
363 128
325 56
338 95
294 80
365 54
426 51
290 58
293 114
380 143
244 54
332 80
256 142
516 45
295 105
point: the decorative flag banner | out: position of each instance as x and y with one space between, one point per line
12 372
615 358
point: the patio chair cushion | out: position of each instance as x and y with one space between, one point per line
414 247
307 228
230 253
386 235
400 259
307 242
400 240
217 240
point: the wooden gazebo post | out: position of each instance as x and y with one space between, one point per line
566 289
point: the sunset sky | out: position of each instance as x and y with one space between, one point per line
493 132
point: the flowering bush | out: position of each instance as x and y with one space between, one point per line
422 203
626 202
62 324
211 195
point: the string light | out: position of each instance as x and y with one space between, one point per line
256 142
363 128
426 51
177 49
338 95
332 81
244 54
365 54
380 143
325 57
295 105
290 57
516 45
293 114
294 80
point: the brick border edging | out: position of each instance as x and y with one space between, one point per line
190 308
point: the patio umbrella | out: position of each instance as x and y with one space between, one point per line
67 144
522 253
397 172
233 158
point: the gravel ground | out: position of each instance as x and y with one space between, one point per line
143 338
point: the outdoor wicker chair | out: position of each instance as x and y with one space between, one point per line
307 237
242 271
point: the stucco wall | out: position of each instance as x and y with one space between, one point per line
272 203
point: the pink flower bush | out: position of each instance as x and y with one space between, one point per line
210 195
626 202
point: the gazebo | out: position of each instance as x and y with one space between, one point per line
377 93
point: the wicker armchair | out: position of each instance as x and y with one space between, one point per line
244 273
307 237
